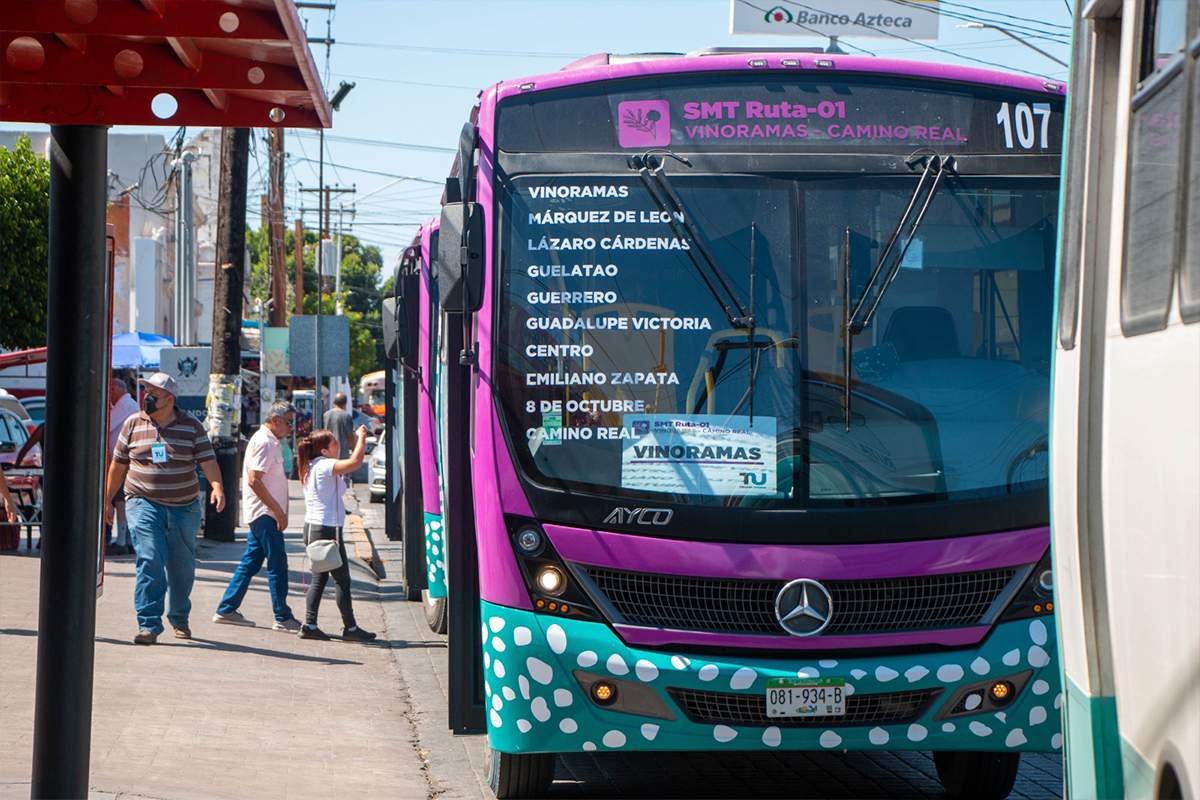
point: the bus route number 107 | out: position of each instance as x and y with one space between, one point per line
806 697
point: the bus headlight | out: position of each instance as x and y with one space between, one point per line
551 580
1036 595
553 587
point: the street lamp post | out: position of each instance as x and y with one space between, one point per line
1015 38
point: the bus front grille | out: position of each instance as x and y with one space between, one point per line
750 710
881 605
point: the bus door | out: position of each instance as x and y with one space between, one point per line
465 657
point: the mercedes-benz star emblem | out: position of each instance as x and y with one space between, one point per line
803 607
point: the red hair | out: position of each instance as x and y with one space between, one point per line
311 447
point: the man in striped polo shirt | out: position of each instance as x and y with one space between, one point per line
156 456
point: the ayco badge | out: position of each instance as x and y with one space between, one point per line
639 516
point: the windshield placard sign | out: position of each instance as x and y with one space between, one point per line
700 454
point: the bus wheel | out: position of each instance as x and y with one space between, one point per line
435 612
982 776
520 774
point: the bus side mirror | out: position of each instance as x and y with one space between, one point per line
395 329
459 265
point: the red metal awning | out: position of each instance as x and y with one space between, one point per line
213 63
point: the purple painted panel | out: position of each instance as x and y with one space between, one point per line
657 637
494 478
843 64
786 562
426 424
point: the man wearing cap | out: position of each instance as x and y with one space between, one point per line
156 456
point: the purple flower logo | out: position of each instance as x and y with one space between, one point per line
644 123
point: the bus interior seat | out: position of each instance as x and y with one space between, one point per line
922 333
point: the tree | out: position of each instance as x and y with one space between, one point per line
24 245
361 295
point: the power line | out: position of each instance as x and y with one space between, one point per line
942 50
407 83
462 51
380 143
374 172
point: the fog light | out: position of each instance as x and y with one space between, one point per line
1045 580
530 541
1002 693
603 693
551 580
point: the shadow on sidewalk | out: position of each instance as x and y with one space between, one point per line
230 647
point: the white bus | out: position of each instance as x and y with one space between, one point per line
1125 426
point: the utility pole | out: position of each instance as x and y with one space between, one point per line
185 278
298 246
224 392
278 257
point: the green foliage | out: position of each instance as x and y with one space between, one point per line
362 267
24 245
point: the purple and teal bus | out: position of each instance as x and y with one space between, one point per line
744 408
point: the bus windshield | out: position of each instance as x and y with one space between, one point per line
620 374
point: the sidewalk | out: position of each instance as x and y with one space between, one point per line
235 712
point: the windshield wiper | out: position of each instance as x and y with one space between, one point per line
888 265
649 167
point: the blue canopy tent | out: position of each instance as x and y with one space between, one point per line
138 350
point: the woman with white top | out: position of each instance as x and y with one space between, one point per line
321 474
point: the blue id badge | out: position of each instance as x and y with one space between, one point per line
158 452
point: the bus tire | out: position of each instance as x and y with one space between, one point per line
435 611
982 776
520 775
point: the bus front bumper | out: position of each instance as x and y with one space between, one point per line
537 667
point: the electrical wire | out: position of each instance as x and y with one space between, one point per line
463 51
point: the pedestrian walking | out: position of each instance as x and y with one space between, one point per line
156 456
123 407
265 510
321 474
340 424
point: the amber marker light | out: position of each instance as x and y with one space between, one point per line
1001 692
603 692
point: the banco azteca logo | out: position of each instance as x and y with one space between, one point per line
778 14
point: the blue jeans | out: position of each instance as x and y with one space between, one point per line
165 540
264 541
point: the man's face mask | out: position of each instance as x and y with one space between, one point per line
150 403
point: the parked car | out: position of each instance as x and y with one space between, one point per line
13 405
377 470
36 408
26 489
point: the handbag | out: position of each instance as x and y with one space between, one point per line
324 554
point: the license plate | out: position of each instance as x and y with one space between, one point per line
806 697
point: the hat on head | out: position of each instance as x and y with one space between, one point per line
161 380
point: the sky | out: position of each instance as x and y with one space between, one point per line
418 66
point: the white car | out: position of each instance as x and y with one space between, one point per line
377 470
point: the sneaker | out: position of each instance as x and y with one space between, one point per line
232 618
145 637
357 635
182 632
313 632
287 626
114 549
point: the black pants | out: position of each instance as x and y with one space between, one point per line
341 578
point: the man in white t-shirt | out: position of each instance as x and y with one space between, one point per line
123 407
265 510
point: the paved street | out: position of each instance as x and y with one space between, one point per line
251 713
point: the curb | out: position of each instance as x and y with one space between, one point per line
364 548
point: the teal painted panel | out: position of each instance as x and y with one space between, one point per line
1138 774
435 554
1093 757
535 704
